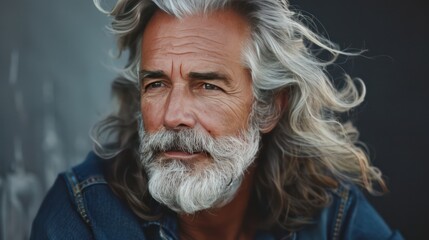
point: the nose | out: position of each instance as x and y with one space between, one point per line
179 110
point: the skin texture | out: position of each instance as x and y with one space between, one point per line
193 77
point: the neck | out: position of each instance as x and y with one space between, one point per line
232 221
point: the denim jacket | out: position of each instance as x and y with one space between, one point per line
80 205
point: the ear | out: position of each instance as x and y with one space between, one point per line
280 106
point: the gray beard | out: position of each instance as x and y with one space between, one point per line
185 188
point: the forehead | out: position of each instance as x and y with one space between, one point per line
217 35
226 21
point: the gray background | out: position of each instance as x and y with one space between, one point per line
54 85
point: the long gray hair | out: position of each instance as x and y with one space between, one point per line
309 151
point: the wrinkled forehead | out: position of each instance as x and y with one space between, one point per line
223 30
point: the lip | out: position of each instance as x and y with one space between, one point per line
182 155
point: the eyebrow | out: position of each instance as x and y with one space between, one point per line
147 74
209 76
151 74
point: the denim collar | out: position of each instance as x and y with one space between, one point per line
167 228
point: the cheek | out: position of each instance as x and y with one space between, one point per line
151 117
223 116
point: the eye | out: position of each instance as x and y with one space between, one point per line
154 85
209 86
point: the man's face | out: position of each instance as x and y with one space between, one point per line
196 98
203 82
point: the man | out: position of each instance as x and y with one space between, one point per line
226 128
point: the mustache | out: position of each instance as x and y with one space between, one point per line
185 140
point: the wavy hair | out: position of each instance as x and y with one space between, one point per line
308 152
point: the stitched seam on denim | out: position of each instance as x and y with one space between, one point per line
165 235
339 219
148 224
162 234
77 192
91 181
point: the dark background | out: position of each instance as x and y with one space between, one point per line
393 121
54 84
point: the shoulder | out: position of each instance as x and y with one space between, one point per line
57 218
349 216
356 218
81 205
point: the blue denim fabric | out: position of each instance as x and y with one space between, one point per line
80 205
